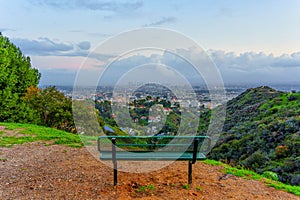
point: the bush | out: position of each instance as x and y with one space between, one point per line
256 160
270 175
295 180
281 151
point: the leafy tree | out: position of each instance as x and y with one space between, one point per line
51 107
16 75
87 118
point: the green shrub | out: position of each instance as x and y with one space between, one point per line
199 188
146 188
270 175
186 186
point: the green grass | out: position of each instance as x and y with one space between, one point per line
212 162
23 133
252 175
89 140
243 173
186 186
199 188
281 186
281 101
146 188
3 159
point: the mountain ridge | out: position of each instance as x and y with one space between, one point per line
261 132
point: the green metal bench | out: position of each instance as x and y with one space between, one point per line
153 148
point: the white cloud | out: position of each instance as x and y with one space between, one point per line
84 45
162 21
49 47
250 61
248 67
252 67
114 6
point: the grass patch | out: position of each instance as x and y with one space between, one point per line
3 159
10 141
281 186
199 188
186 186
212 162
254 176
89 140
32 133
243 173
146 188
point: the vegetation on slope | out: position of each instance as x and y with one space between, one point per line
261 132
14 133
20 99
268 177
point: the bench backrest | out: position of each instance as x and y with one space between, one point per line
153 147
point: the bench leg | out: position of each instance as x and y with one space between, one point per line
115 174
190 171
114 159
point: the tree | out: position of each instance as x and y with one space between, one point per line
51 107
87 118
16 75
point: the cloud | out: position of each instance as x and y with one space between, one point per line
162 21
47 47
84 45
114 6
100 34
248 67
6 29
287 60
94 34
252 67
111 6
249 61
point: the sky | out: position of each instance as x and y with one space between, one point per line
250 41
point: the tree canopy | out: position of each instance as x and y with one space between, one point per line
51 107
16 75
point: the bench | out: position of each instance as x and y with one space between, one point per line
153 148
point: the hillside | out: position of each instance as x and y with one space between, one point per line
261 132
42 169
14 133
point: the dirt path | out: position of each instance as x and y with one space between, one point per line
35 171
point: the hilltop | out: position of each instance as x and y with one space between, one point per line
261 132
42 169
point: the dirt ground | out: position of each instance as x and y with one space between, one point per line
36 171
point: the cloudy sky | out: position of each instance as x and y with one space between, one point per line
250 41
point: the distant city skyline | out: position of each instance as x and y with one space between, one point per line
250 41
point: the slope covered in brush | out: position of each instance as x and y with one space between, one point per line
261 132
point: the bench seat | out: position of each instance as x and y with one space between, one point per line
157 155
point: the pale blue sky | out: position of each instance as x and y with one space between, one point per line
58 34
